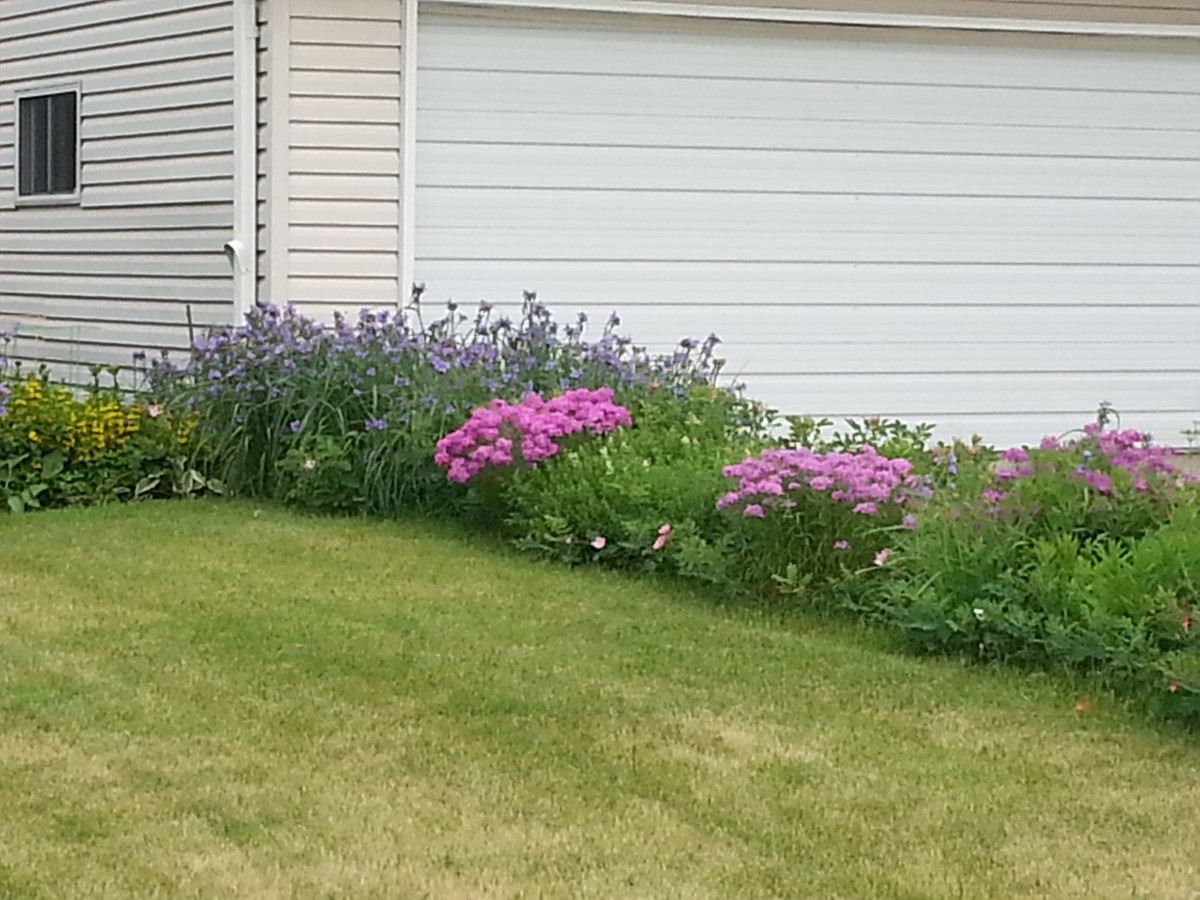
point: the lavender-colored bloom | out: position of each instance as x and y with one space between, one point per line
375 425
294 426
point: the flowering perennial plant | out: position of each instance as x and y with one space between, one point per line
826 515
497 434
863 480
390 384
62 445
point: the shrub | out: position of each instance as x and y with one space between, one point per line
58 447
1076 554
504 433
640 498
388 387
806 519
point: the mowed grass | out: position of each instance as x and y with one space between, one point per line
212 700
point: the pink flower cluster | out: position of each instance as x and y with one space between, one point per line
863 479
1130 450
501 432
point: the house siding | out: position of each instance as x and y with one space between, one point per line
989 233
1125 12
89 283
341 96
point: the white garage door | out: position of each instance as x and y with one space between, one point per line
993 234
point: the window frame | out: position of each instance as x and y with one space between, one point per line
75 197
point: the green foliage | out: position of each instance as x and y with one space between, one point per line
318 474
890 437
61 447
1056 574
386 387
624 488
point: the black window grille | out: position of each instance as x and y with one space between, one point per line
48 145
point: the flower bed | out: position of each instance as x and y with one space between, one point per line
59 446
1080 553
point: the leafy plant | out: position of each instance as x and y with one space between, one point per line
62 446
388 387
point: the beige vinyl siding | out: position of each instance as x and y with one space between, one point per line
91 282
343 101
266 58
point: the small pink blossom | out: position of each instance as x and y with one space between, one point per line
664 530
754 511
841 545
660 542
153 411
600 542
882 556
866 509
909 522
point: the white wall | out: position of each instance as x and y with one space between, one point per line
993 234
92 282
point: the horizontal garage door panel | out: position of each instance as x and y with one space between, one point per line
484 126
700 97
769 52
991 234
629 285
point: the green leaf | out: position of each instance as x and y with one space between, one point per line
147 484
16 504
53 464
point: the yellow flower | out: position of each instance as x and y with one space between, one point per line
33 436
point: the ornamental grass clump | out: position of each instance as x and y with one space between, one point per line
387 386
529 431
808 518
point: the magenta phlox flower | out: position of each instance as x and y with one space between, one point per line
754 511
489 436
841 545
862 479
1101 452
1099 481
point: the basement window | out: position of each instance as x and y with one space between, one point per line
48 146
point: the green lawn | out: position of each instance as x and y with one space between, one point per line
210 700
